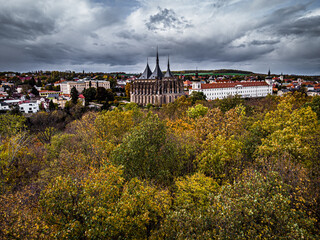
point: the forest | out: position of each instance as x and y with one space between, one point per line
192 169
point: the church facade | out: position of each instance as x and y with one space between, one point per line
155 87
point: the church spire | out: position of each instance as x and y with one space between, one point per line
168 73
157 74
157 56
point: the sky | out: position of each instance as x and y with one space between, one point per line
121 35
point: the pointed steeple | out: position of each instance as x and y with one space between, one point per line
147 72
269 73
168 73
157 74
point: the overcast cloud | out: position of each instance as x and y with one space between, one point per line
119 35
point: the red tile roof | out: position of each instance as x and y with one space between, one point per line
232 85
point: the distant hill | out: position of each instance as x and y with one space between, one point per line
213 72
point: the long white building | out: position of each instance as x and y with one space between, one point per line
80 85
223 90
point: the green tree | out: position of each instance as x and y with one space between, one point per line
32 82
315 105
197 111
35 91
101 94
149 153
74 95
89 94
230 102
52 107
39 84
197 96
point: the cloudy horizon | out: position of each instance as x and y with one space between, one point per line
119 35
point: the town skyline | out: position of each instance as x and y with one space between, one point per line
119 36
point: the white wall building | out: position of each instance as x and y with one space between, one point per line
29 107
65 87
223 90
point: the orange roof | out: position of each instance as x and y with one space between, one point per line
232 85
60 81
308 83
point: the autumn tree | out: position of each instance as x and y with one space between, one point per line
187 219
256 206
291 132
84 208
221 158
127 89
216 123
176 109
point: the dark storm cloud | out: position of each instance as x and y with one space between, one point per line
131 35
17 25
308 27
281 16
227 53
49 53
166 19
264 42
65 54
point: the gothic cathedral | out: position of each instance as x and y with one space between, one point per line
156 88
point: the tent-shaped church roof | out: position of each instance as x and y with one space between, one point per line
147 72
157 74
168 73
